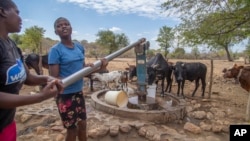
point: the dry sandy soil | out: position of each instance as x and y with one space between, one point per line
225 93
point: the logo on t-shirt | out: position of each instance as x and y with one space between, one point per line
16 73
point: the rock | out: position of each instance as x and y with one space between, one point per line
93 133
189 109
205 127
142 131
32 93
214 110
197 106
150 135
229 111
209 115
165 137
26 137
218 122
41 130
57 128
98 132
46 138
57 123
216 128
193 102
24 118
60 137
157 137
114 130
151 131
125 128
192 128
225 122
64 131
220 114
211 138
199 139
169 130
137 124
199 114
225 128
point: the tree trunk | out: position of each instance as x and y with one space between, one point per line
211 79
228 55
165 55
165 52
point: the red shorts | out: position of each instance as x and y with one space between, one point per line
9 132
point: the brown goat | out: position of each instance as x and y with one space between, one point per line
124 80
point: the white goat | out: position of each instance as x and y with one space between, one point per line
105 78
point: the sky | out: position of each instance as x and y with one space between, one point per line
135 18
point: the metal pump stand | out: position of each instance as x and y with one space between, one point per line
142 101
140 52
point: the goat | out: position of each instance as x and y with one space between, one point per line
105 78
124 80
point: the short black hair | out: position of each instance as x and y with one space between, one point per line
58 19
7 4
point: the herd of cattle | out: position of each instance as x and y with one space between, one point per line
158 69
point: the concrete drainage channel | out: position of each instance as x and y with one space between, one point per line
164 114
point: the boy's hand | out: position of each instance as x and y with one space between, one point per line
104 62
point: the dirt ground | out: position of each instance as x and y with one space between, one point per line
225 93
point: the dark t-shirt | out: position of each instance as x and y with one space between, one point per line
12 76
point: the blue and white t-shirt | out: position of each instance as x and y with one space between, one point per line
12 76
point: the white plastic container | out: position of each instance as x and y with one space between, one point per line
116 98
151 90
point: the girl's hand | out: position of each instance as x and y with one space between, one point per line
89 65
50 90
58 83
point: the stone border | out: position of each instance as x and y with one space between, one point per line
159 116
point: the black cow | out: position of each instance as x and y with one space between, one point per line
190 71
32 61
132 68
131 71
158 68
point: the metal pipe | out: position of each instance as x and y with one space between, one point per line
87 70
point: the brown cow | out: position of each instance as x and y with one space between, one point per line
235 78
242 74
